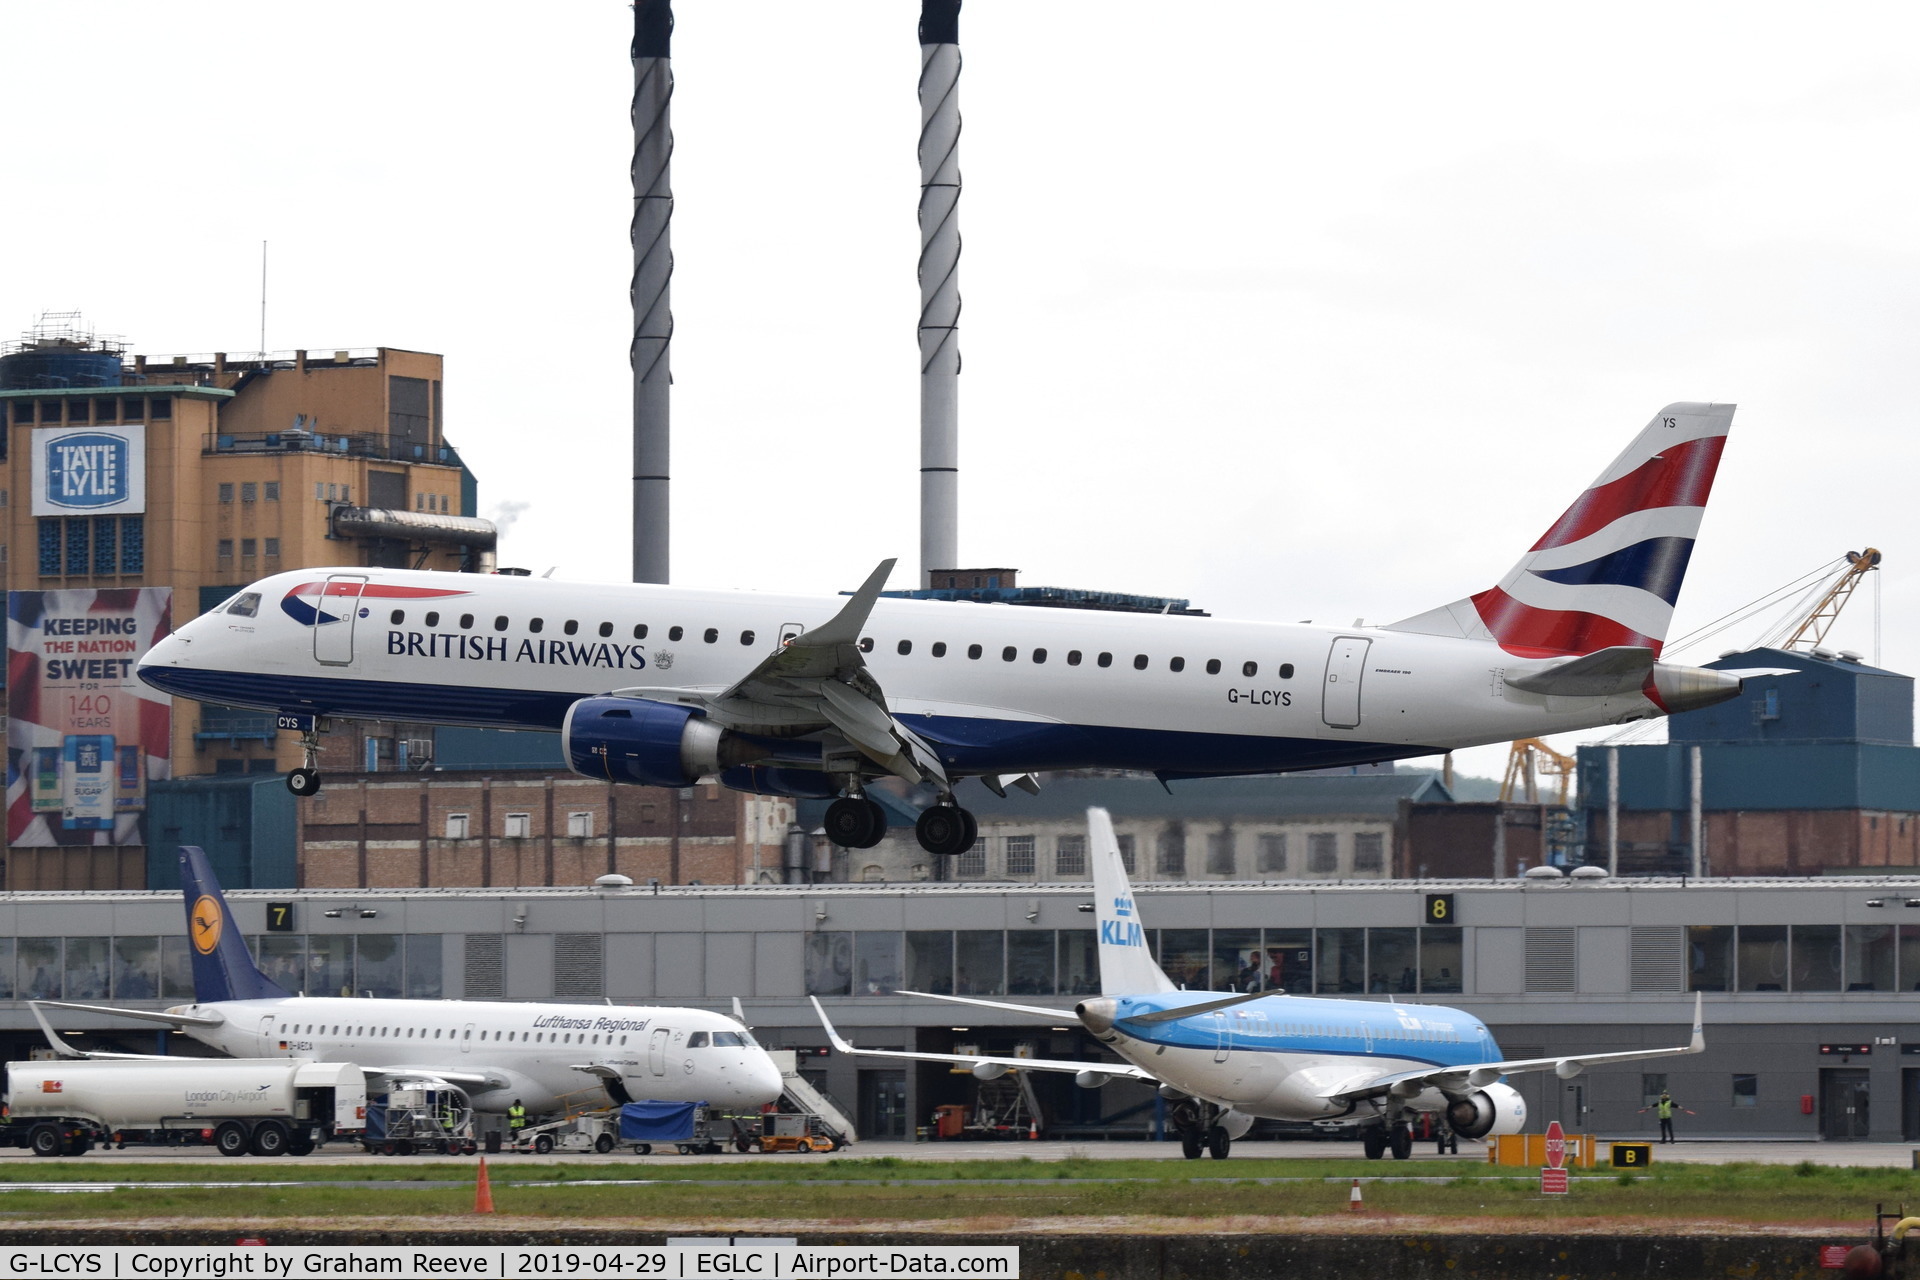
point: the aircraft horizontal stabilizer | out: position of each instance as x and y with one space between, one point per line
138 1015
978 1060
1053 1015
1195 1010
1622 669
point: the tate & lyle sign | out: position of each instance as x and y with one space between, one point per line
90 471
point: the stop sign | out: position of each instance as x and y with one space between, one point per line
1556 1146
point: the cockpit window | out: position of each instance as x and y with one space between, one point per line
726 1039
696 1040
246 604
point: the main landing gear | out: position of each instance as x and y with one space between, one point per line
1395 1136
855 822
1196 1123
946 830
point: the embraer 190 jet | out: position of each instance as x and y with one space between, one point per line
816 696
489 1052
1228 1060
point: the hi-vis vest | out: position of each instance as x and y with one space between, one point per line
516 1117
1666 1108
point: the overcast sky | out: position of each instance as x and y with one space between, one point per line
1298 311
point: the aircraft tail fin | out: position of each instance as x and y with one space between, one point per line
1126 965
1607 573
222 967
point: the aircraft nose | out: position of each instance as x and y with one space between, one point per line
763 1083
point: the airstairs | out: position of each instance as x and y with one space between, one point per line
801 1096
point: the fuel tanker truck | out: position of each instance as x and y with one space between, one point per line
267 1106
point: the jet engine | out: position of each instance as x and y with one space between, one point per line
654 744
1498 1108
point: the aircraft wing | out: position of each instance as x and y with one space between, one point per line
820 677
1477 1075
1116 1069
138 1015
465 1079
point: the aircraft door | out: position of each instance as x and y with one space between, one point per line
269 1039
1340 699
657 1051
466 1039
1223 1036
337 612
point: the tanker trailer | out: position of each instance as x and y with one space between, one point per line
269 1106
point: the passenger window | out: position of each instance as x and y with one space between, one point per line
1213 666
973 651
746 637
640 631
1139 662
1039 655
697 1040
904 648
397 617
1176 664
1073 657
500 623
1105 660
1286 671
1009 653
572 627
1249 669
535 624
939 649
674 633
246 605
466 622
713 634
606 628
432 619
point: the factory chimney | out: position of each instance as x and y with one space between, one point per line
939 287
652 275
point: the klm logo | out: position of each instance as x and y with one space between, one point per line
1122 933
87 470
1123 906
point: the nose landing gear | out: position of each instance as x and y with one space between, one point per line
305 781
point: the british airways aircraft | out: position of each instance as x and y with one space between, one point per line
491 1052
815 696
1228 1060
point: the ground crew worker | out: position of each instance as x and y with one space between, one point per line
1665 1108
448 1115
516 1120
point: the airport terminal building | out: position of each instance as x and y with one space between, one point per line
1809 983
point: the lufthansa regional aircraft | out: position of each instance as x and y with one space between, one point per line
1228 1060
815 696
490 1052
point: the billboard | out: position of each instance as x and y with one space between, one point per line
84 735
90 471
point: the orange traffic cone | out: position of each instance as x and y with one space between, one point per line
1354 1203
483 1192
1033 1131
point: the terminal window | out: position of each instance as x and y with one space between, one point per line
1070 856
1746 1091
1323 852
1273 852
1019 855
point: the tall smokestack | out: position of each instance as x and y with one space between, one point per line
652 276
939 287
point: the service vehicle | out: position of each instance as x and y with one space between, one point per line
266 1106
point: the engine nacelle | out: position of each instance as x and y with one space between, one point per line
1091 1079
1498 1108
990 1070
1236 1123
636 740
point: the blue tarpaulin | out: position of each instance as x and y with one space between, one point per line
658 1121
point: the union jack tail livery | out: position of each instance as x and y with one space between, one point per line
1607 573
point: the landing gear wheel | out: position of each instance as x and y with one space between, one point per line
304 782
542 1144
270 1138
1401 1142
946 830
1373 1142
603 1143
231 1138
1218 1143
1190 1143
46 1141
854 822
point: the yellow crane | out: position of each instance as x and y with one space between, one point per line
1813 628
1528 761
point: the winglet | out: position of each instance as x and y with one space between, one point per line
60 1046
739 1014
840 1045
844 627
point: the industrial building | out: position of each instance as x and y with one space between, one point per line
145 490
1807 983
